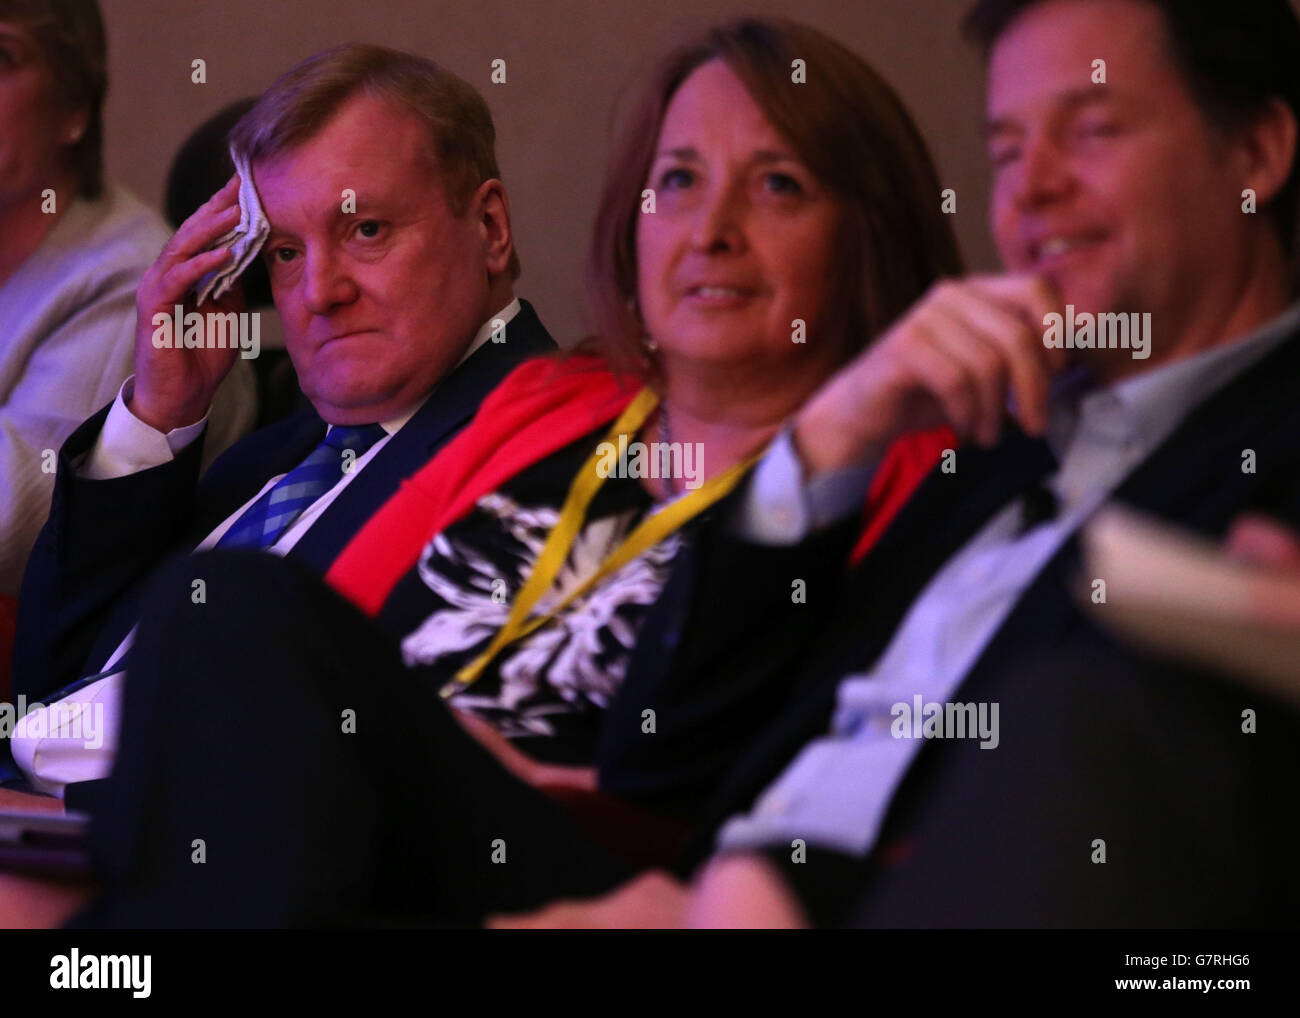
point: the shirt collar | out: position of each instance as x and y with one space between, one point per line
505 316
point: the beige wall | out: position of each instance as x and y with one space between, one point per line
566 61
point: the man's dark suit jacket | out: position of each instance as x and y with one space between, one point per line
1097 741
104 537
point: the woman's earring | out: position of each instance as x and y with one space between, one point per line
647 344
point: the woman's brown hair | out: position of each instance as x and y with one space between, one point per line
852 132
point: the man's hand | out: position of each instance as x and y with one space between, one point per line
652 901
952 359
522 766
734 892
30 903
11 800
743 892
174 387
39 903
1264 541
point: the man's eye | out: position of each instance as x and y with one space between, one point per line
283 255
369 228
675 177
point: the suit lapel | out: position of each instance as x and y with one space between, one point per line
1196 474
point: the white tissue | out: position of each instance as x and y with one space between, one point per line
245 240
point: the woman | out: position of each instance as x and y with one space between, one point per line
69 262
753 233
71 255
697 301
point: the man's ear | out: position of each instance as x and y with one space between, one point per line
1269 146
491 207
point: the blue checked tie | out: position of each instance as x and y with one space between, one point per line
267 518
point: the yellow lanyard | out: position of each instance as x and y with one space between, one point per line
559 542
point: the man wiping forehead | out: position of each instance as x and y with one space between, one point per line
377 204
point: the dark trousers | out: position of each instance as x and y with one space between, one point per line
280 765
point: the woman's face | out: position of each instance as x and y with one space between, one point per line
740 244
33 131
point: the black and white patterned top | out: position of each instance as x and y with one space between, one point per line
546 691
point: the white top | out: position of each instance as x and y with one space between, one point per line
67 325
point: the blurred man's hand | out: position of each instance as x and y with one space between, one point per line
1264 541
743 891
952 359
652 901
733 892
